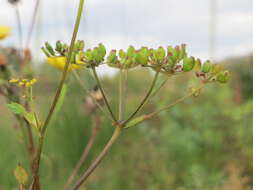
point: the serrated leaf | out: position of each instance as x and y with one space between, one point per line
16 108
21 175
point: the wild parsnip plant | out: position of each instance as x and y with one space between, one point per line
168 61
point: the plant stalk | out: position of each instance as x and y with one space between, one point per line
144 99
103 94
36 164
99 158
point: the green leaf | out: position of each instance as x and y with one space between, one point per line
21 175
61 98
16 108
30 117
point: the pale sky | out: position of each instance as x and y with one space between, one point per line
119 23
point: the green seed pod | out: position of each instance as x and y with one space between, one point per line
182 52
80 45
141 58
159 54
88 55
122 54
223 77
206 68
45 52
188 63
197 66
59 46
130 51
101 50
145 51
49 49
216 68
173 55
112 57
96 56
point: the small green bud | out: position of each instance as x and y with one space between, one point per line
216 68
88 55
112 57
49 49
45 52
188 63
97 57
58 46
182 52
173 55
141 58
197 66
130 51
101 50
206 68
79 46
159 54
122 54
223 77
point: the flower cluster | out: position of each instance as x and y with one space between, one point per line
57 57
23 82
169 61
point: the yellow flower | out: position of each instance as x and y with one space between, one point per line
59 63
4 32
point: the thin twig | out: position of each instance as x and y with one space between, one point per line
173 104
99 158
103 94
89 93
31 29
95 127
120 95
144 99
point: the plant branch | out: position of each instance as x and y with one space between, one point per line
148 116
103 94
89 93
36 164
120 94
99 158
95 127
144 100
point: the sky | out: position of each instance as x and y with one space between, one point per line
120 23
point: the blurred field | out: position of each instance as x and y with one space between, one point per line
204 143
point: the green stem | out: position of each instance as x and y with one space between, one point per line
144 100
103 94
99 158
120 94
89 93
36 164
172 104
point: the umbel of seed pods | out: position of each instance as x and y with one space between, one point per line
169 61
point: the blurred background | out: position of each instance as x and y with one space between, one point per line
204 143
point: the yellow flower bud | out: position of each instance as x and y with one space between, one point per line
59 63
13 80
21 84
28 84
33 81
4 32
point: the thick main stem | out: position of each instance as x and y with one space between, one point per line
103 94
100 157
144 99
36 163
